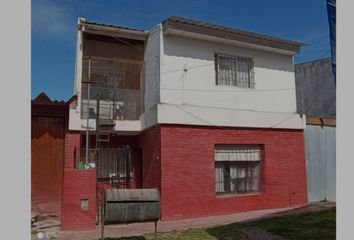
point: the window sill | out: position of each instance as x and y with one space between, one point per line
227 195
228 87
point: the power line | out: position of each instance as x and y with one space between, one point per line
209 123
311 52
181 69
313 59
199 66
232 91
121 40
226 128
310 42
284 120
224 108
213 63
316 40
291 116
324 54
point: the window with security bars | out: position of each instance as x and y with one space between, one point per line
237 169
234 71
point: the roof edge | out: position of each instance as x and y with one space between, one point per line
214 30
112 30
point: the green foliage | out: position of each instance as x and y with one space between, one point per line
308 226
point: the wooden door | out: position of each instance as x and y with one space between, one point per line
47 145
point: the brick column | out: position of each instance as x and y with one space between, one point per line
79 200
72 149
79 189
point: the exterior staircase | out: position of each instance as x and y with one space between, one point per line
104 126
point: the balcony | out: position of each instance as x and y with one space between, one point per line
115 91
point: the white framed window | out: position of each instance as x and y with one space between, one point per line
237 169
234 71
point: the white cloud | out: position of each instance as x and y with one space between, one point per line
50 18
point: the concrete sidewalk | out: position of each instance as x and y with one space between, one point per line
138 229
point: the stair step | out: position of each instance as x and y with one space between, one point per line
105 132
103 140
106 122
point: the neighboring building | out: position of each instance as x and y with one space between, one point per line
49 121
316 97
206 114
315 88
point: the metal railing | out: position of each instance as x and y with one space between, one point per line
115 104
110 162
116 83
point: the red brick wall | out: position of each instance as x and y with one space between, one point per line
179 160
150 142
78 185
115 141
72 149
81 184
188 170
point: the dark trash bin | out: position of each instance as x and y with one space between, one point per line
130 206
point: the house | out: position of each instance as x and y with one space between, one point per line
205 113
316 98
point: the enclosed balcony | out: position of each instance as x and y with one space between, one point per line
115 84
112 78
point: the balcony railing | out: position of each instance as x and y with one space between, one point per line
115 84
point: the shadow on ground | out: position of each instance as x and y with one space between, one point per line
320 225
128 238
230 231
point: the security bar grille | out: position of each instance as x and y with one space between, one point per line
111 162
237 169
234 71
117 83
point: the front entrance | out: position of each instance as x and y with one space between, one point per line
117 168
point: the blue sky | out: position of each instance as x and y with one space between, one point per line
54 28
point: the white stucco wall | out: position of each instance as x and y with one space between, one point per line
152 68
152 77
187 84
75 122
180 87
197 85
220 117
129 127
78 67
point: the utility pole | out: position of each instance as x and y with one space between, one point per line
87 111
97 124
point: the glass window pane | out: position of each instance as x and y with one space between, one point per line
237 168
235 71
